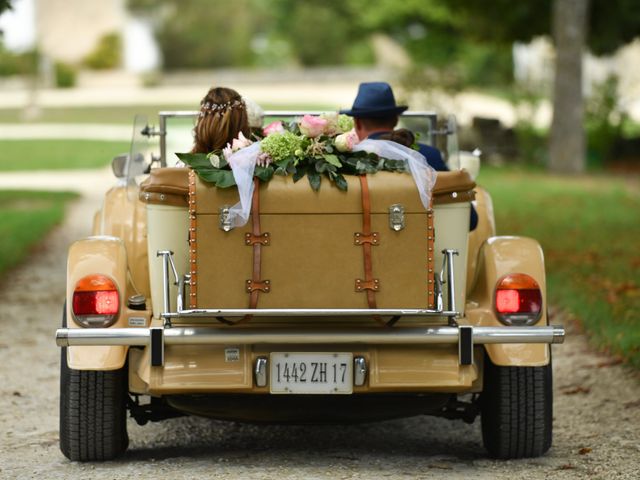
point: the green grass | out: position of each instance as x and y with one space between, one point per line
589 228
58 154
25 218
123 114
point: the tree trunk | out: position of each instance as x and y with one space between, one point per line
567 143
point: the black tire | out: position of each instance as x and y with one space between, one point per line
93 420
517 410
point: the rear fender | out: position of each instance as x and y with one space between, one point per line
500 256
107 256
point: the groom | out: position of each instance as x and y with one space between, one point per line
375 115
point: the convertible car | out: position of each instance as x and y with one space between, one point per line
330 305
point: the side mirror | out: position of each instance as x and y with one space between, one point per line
118 165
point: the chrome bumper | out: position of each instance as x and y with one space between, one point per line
156 338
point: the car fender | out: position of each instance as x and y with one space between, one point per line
500 256
104 255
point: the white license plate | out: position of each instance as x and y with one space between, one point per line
311 373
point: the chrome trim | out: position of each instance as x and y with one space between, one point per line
66 337
447 264
224 218
396 217
359 371
307 312
167 262
260 372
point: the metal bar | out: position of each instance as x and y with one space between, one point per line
451 287
245 336
288 113
306 312
163 140
165 254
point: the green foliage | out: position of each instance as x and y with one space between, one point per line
17 63
31 155
588 229
604 121
65 75
5 5
25 219
319 32
107 53
612 23
204 33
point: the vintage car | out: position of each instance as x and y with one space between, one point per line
328 306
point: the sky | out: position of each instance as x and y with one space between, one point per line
18 25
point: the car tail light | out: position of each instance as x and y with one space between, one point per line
518 300
96 301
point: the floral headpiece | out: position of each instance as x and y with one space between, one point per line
208 108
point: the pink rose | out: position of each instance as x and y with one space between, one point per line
273 127
240 142
346 141
312 126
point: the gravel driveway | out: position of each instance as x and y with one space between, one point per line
597 413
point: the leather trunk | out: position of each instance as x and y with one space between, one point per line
312 259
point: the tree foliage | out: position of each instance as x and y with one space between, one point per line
473 36
202 33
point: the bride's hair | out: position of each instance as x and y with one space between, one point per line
223 115
399 135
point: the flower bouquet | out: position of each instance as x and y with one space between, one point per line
315 146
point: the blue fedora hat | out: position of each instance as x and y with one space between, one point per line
374 99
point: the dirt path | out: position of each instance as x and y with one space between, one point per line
597 413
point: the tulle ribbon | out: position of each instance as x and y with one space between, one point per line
243 164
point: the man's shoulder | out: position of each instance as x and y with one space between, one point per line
428 149
433 156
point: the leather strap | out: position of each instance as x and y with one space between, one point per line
367 239
256 239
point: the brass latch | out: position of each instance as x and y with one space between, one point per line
225 218
396 217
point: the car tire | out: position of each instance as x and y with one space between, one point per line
517 410
93 421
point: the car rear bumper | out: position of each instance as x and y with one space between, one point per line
157 337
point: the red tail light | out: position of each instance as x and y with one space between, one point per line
518 300
96 301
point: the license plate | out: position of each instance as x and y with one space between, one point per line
311 373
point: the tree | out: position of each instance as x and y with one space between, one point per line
610 23
567 139
202 33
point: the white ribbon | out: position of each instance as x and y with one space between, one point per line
423 174
243 164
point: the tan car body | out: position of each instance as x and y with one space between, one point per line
119 249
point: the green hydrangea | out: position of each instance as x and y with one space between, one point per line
281 145
345 123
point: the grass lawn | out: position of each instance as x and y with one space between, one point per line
124 114
589 228
58 154
25 218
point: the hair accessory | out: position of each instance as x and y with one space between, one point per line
207 108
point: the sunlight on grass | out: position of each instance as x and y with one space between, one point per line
18 155
25 218
589 229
